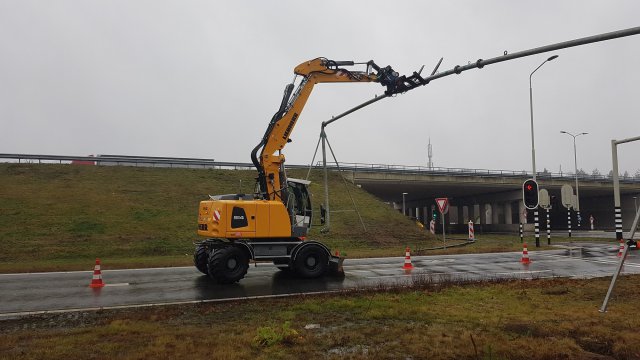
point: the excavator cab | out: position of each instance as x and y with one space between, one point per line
298 203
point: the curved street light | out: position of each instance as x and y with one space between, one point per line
575 162
533 147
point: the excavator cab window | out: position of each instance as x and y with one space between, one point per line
299 205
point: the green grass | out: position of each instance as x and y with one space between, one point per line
542 319
61 217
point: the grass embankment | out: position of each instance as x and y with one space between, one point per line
545 319
61 217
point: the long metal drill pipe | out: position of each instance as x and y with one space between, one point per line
481 63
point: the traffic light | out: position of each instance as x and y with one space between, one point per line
530 194
434 215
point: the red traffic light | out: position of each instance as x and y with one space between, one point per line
530 194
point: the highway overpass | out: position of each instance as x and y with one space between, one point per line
492 198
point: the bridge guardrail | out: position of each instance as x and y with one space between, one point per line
116 160
423 170
107 160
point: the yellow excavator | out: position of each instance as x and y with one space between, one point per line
272 224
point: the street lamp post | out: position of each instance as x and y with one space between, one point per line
533 148
575 162
404 212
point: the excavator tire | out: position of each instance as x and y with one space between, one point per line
200 258
311 261
228 264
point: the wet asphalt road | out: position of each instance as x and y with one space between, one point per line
62 291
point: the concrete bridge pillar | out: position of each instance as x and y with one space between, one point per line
521 210
461 213
425 215
494 213
453 214
487 214
477 214
508 214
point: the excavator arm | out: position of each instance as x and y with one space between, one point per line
271 179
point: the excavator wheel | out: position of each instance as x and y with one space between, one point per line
311 261
200 258
228 264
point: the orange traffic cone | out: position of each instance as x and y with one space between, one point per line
621 251
96 282
525 255
407 259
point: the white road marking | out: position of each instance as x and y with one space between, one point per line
91 271
601 261
471 273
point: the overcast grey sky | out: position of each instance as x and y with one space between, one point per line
203 78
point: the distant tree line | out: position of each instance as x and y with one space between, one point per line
597 172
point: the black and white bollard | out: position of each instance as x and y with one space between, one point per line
536 222
618 221
548 228
569 221
521 232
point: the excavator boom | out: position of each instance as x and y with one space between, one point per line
271 180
